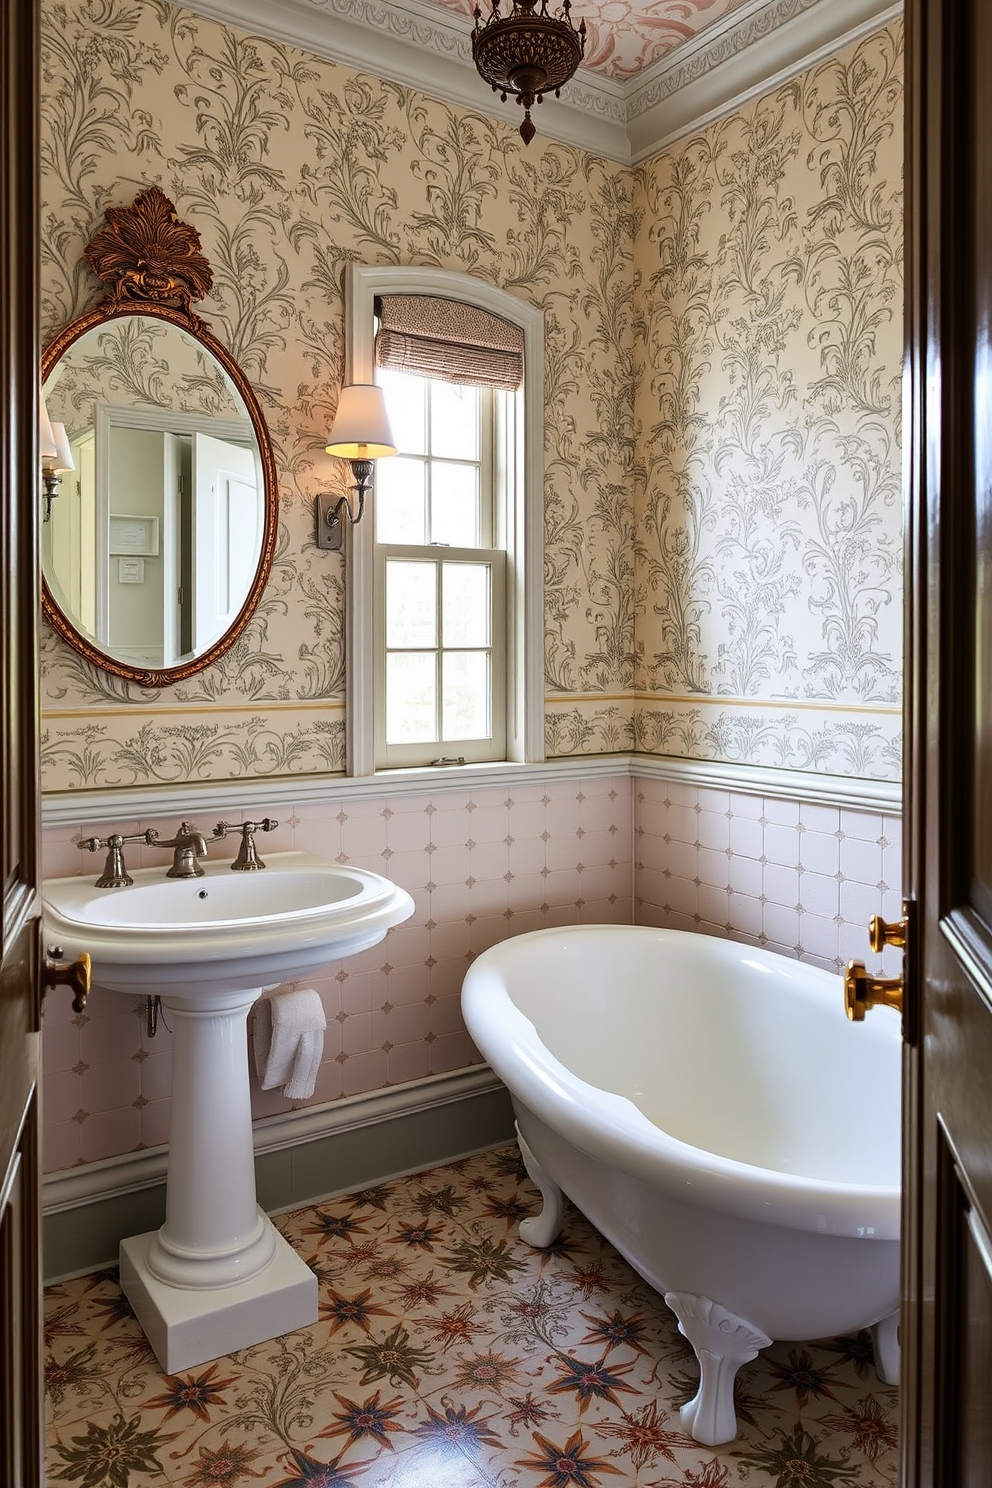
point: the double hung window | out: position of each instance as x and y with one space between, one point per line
445 620
439 577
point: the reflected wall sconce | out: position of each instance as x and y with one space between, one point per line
56 458
360 434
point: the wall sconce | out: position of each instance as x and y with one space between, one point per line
360 434
56 458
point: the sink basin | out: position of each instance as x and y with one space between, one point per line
224 931
217 1276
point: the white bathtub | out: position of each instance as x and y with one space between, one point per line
711 1110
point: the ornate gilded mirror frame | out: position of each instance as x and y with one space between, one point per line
151 265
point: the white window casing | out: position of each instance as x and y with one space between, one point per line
519 516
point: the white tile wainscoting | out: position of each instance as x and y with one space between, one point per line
481 863
613 840
801 877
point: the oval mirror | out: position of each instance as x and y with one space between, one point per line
157 542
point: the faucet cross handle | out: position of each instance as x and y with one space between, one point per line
247 860
115 875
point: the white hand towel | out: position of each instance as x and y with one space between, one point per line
288 1041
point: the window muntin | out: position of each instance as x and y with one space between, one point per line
440 636
439 488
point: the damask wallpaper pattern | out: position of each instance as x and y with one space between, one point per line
289 167
769 299
721 387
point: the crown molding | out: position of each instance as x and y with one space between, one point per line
424 46
752 52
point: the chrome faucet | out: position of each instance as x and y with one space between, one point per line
247 860
189 845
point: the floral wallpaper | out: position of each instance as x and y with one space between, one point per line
769 539
721 387
138 362
289 167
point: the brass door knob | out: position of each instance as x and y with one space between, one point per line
863 991
882 933
75 974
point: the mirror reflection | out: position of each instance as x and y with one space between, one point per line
154 538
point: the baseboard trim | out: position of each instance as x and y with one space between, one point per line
301 1157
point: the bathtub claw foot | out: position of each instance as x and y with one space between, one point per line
541 1229
885 1341
722 1342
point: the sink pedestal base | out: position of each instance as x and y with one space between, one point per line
218 1275
187 1326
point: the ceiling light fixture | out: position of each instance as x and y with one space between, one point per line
528 52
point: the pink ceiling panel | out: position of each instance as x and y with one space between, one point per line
625 36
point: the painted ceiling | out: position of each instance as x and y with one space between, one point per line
625 36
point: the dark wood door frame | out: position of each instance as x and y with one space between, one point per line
20 1286
946 1419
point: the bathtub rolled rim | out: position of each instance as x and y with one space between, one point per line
610 1128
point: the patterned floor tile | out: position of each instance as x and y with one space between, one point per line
449 1354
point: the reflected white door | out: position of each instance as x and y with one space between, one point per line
140 486
225 523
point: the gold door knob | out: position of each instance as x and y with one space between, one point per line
75 974
863 991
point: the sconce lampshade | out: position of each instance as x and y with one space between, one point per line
53 444
63 461
361 427
46 434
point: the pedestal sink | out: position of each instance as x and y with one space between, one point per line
217 1276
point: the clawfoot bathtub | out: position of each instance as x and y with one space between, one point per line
710 1109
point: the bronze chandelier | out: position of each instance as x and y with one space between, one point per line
527 53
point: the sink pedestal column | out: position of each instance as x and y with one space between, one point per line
217 1276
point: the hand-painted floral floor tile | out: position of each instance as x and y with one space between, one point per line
449 1354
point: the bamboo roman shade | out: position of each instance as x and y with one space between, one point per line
449 341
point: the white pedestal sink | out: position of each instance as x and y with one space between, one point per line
217 1276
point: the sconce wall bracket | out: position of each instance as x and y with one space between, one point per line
51 483
330 528
331 510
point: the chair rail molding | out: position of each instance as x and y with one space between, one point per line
86 809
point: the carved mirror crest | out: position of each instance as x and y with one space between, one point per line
158 542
